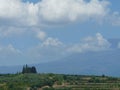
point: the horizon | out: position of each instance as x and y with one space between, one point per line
49 31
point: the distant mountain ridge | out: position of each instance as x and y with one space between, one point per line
89 63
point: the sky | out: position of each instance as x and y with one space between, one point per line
37 31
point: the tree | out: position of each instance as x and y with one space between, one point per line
33 70
27 69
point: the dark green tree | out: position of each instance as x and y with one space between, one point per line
27 69
33 70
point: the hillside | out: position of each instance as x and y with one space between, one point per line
57 82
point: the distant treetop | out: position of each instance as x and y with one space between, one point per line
27 69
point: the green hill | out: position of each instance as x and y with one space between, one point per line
57 82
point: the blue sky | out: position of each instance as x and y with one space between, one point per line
35 31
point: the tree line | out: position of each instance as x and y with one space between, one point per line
27 69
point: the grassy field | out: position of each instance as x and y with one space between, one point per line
57 82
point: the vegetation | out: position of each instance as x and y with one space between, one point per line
27 69
32 81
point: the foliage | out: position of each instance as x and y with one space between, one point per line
27 69
31 81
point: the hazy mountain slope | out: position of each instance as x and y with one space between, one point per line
86 63
105 62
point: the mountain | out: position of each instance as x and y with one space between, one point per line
92 63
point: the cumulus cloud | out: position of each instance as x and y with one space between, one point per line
49 50
11 31
41 35
97 43
9 54
72 10
27 14
115 19
18 18
51 42
16 12
9 50
53 49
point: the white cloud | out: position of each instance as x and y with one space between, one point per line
16 15
72 10
49 50
115 19
11 31
9 55
16 12
9 50
26 14
41 35
97 43
51 42
22 31
12 49
53 49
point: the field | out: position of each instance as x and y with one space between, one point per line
57 82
